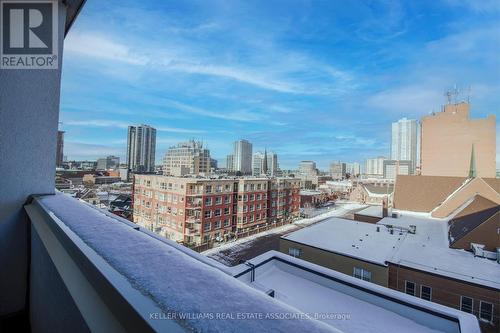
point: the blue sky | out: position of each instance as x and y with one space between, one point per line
315 80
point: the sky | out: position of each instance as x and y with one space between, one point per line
310 80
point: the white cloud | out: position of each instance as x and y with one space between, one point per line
98 46
239 115
481 6
270 76
123 124
81 150
409 100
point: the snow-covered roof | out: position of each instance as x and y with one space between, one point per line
347 303
375 211
378 191
351 238
310 192
428 250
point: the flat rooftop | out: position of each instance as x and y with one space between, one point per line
428 250
349 304
310 192
355 239
375 211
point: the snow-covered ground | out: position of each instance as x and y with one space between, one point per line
340 209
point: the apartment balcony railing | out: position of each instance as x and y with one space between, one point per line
192 231
193 205
124 278
193 219
194 192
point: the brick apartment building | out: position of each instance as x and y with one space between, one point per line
195 211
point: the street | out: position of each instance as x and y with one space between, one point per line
244 249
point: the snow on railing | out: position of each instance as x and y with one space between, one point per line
189 289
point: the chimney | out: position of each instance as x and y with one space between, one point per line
385 210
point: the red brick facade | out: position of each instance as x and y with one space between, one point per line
197 211
450 292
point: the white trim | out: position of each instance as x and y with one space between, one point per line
430 293
472 306
414 287
492 312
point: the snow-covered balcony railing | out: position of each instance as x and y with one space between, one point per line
123 278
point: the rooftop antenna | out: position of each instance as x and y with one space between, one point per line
448 96
452 95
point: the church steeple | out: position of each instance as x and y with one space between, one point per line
472 167
264 163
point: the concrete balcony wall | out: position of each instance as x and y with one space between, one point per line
29 115
53 308
117 277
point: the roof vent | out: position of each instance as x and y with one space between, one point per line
477 249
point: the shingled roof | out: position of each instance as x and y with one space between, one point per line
477 211
424 193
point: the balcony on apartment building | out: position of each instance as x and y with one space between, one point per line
67 266
193 203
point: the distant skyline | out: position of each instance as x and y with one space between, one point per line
309 80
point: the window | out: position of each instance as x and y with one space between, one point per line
410 288
226 223
217 212
218 200
486 311
208 201
294 252
362 274
208 214
218 224
466 304
425 292
207 226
